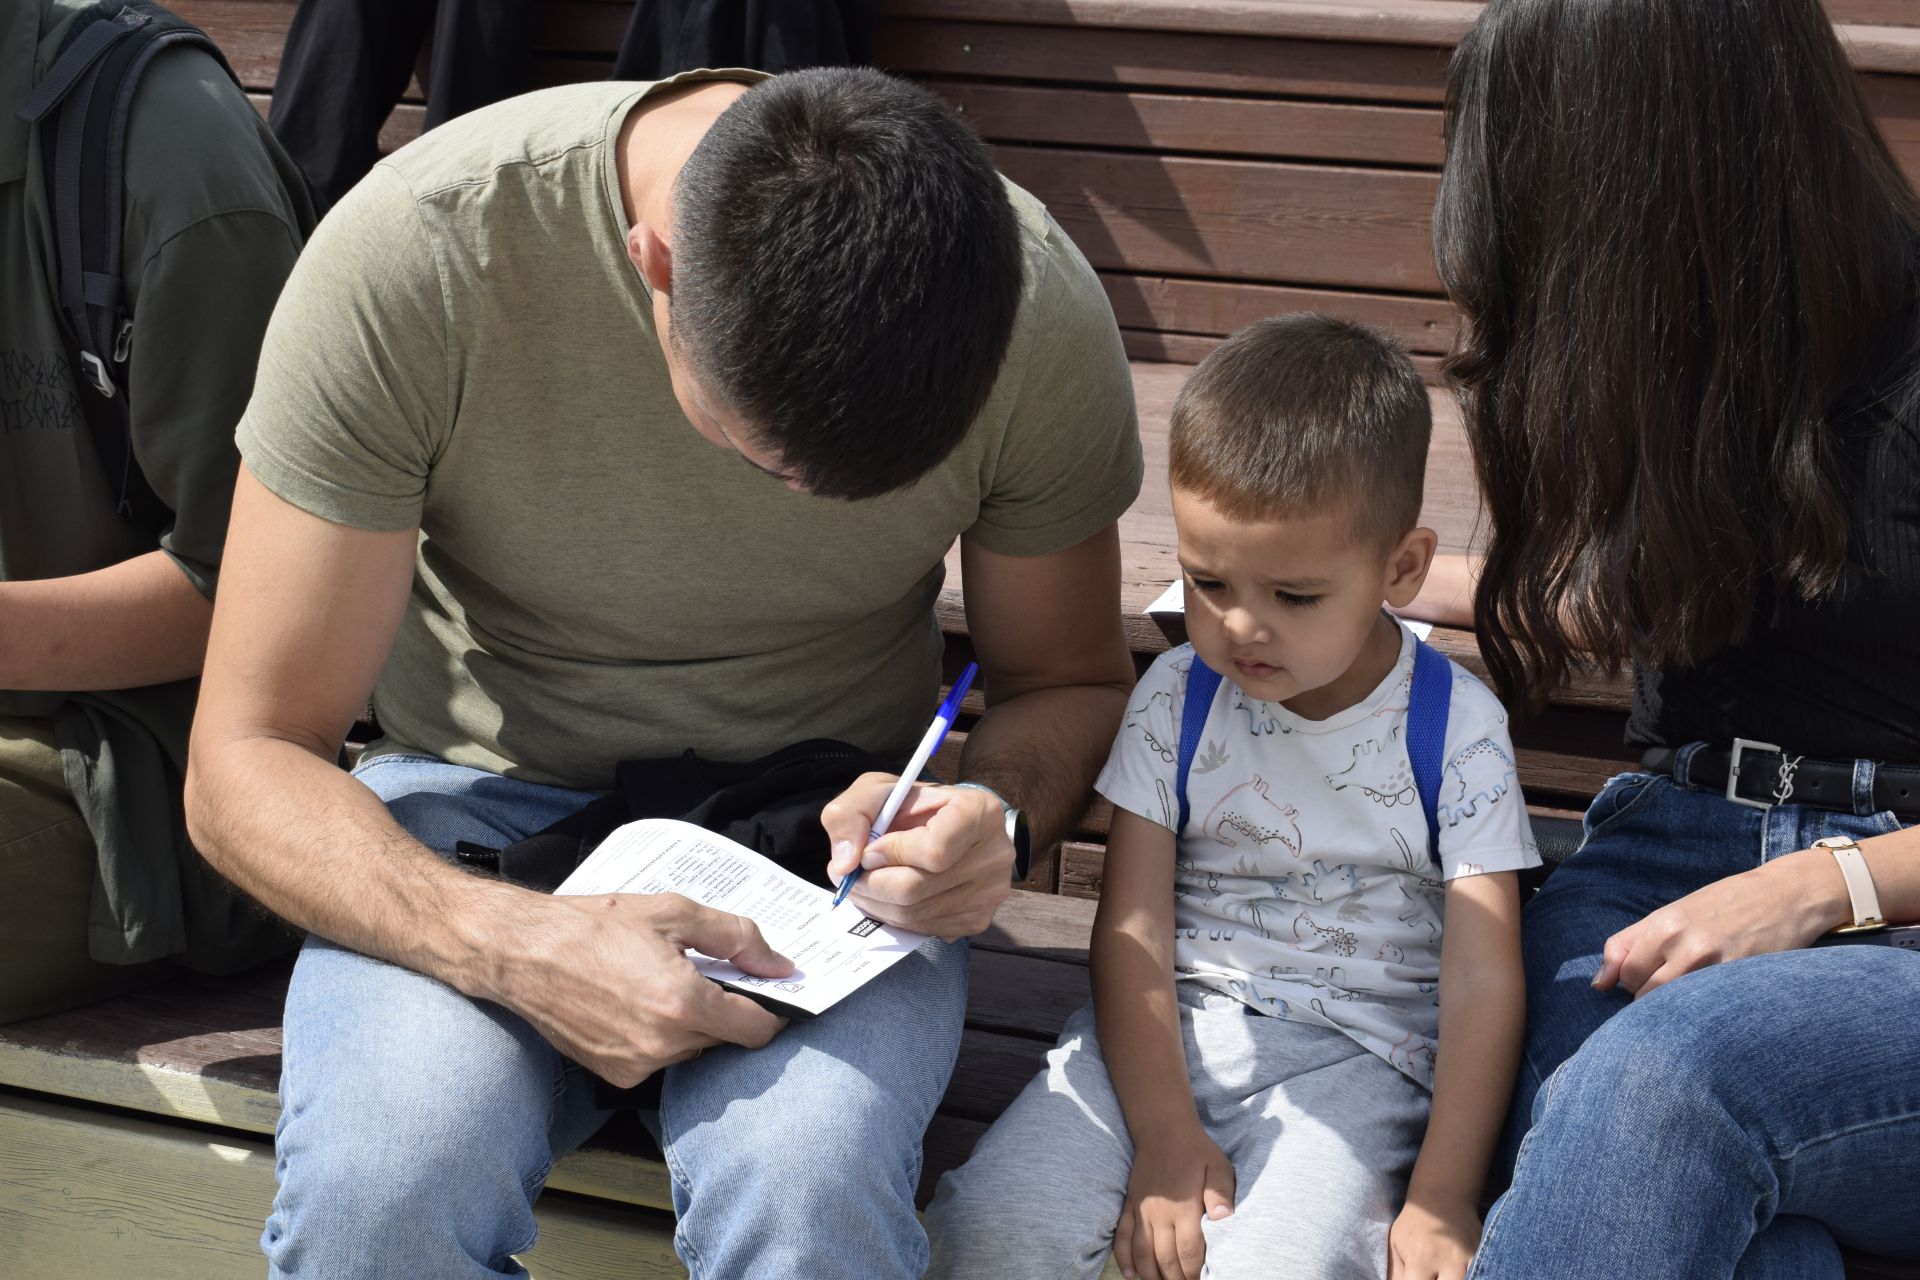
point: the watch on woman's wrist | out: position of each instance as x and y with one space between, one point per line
1017 833
1861 894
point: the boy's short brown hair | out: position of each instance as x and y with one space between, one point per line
1303 411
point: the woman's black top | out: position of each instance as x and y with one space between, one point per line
1838 679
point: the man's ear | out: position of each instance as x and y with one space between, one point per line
1407 566
647 250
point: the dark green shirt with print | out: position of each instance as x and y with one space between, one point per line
215 214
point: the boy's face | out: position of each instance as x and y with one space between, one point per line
1289 609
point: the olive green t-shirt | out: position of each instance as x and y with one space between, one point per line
465 348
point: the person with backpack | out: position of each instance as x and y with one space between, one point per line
147 222
1304 795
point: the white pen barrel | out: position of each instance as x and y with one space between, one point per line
921 754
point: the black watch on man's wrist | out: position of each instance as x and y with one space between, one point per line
1017 833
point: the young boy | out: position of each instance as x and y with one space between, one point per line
1267 962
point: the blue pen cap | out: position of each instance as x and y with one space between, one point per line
951 707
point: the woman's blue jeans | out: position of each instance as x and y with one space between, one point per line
1736 1122
417 1126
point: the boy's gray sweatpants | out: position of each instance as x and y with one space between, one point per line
1322 1135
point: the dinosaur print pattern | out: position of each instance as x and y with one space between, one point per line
1248 813
1342 942
1151 719
1462 798
1381 772
1261 720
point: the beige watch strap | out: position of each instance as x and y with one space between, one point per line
1853 869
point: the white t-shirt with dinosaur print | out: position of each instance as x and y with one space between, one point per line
1303 885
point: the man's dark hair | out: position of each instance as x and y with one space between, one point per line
1299 412
846 269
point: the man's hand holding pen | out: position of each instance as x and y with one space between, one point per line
944 865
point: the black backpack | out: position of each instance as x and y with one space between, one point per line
81 107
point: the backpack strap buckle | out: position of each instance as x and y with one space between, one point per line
96 374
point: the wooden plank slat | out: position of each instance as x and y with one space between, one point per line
401 127
1895 103
1269 128
1435 22
1217 308
1885 13
1878 48
1240 219
1090 55
1021 995
251 33
1438 24
1041 925
1082 869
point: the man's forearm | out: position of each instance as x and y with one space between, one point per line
1042 750
318 849
135 623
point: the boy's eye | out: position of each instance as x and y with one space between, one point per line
1203 584
1298 602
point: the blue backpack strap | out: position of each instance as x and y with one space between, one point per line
1427 707
1202 682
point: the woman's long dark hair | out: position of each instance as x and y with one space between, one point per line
1676 239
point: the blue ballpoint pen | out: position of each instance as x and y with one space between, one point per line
936 734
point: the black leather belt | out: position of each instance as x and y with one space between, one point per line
1761 775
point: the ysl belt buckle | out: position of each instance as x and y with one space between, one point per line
1785 781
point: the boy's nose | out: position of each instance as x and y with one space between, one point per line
1242 627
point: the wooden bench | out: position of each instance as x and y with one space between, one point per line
1218 161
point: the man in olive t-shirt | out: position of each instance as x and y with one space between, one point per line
606 423
104 613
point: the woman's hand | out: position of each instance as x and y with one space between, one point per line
1175 1183
1779 906
1432 1242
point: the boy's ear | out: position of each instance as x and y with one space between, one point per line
648 251
1407 566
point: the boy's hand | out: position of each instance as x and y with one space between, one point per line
1174 1185
1432 1241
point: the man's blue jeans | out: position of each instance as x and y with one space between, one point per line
1739 1120
417 1126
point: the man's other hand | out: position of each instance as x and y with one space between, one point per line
944 866
604 978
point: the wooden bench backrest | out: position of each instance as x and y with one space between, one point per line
1217 160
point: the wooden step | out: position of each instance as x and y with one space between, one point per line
91 1193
